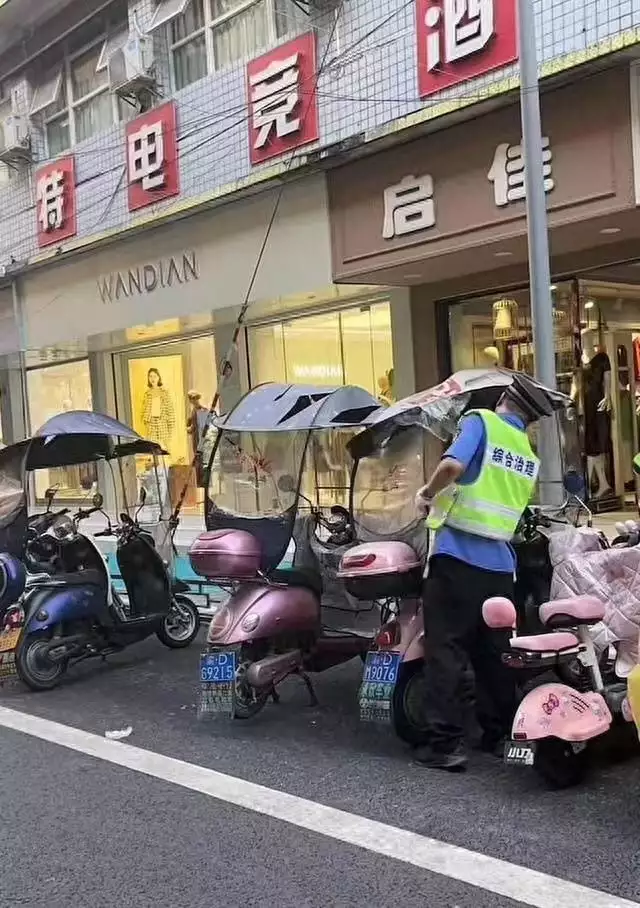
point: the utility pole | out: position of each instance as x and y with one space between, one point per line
538 241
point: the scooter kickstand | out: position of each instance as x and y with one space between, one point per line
309 685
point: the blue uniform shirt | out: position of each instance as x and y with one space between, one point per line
489 554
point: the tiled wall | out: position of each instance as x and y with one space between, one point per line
368 80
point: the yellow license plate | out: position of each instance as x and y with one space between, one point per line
9 640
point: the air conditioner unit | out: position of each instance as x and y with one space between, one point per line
130 67
15 141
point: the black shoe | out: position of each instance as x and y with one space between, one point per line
451 761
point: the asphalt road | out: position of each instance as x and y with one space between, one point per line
80 831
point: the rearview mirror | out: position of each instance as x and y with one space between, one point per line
142 497
287 483
49 495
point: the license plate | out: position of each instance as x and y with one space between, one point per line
217 683
519 753
378 683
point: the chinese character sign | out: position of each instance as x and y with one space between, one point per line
283 106
153 170
507 172
408 207
56 201
461 39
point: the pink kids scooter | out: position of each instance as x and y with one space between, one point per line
555 722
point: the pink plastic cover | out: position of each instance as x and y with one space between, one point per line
232 554
378 558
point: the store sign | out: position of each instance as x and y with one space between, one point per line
507 173
153 171
283 105
459 40
56 201
145 279
408 207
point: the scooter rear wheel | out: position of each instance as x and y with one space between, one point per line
557 763
180 627
407 707
34 668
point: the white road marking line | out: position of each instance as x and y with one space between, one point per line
491 874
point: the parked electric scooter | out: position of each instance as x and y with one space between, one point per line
71 612
279 622
389 563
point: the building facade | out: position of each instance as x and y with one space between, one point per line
149 148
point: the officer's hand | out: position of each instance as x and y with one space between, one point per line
423 504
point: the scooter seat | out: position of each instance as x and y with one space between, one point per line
569 612
77 578
546 643
308 580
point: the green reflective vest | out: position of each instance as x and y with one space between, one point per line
492 505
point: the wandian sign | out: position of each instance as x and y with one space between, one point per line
55 185
461 39
283 106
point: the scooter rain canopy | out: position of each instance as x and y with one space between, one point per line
438 409
288 408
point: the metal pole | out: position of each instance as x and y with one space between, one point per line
538 241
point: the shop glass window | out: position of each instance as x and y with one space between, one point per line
52 390
165 393
352 346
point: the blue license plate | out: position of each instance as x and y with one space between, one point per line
378 683
217 683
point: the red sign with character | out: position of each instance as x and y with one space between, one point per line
461 39
153 171
56 201
283 106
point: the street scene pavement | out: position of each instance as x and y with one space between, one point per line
89 821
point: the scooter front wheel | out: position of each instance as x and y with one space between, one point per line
180 626
34 667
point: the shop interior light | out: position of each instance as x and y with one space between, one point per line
504 316
589 304
553 287
608 231
503 254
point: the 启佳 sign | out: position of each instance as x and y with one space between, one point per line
56 201
461 39
283 106
153 170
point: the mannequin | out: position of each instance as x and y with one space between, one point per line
597 409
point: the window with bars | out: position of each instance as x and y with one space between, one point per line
209 35
72 99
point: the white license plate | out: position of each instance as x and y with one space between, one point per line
519 753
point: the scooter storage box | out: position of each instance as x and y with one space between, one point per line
381 570
226 554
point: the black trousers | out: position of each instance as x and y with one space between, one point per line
453 595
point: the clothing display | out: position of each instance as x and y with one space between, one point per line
158 415
597 431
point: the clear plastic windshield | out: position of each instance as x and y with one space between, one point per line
386 483
247 470
326 479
